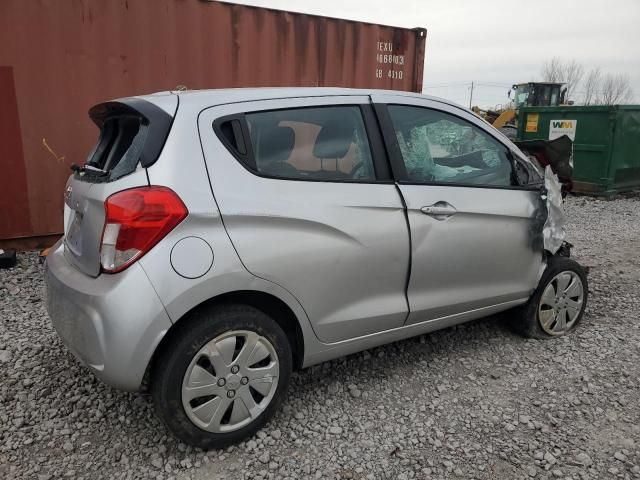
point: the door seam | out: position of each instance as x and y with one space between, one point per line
388 154
410 265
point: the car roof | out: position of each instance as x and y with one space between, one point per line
206 98
201 99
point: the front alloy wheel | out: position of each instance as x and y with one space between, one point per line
557 305
561 303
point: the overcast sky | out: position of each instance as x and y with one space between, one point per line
499 42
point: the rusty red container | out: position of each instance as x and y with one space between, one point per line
60 57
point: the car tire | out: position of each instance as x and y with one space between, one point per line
558 303
211 355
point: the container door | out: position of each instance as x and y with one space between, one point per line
308 203
472 232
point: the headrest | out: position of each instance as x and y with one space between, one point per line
334 140
275 144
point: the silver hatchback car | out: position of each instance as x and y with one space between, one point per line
217 240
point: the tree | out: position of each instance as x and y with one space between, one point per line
591 86
572 75
616 88
558 71
553 70
597 88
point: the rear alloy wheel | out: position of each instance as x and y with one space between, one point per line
230 381
557 305
222 375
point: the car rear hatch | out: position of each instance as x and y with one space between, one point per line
132 134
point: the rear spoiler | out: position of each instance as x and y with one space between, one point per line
158 121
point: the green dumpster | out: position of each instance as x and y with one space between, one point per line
606 149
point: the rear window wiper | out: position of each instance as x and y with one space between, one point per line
75 168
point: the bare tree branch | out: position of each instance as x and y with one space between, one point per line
616 88
597 88
552 70
572 75
592 86
558 71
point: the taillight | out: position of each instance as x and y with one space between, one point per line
135 220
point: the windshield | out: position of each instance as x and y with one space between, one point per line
521 95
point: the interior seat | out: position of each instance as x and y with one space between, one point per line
333 143
274 148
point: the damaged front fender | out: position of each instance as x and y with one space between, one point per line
548 226
553 231
556 158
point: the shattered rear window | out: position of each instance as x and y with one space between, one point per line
119 146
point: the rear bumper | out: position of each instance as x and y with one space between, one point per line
112 323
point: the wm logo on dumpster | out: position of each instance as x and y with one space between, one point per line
562 124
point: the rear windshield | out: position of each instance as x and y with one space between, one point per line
132 134
119 146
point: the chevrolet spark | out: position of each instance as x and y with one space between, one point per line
217 240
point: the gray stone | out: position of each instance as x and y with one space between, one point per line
5 356
620 456
584 459
251 445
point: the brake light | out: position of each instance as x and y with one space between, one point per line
136 220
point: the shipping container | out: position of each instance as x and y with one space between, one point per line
60 57
606 149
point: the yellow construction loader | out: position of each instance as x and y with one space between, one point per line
537 94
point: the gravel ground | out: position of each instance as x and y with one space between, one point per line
475 401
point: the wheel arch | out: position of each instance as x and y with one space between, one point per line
267 303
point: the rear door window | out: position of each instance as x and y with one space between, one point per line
321 143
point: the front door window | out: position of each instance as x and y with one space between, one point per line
438 147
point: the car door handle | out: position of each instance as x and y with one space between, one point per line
439 210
